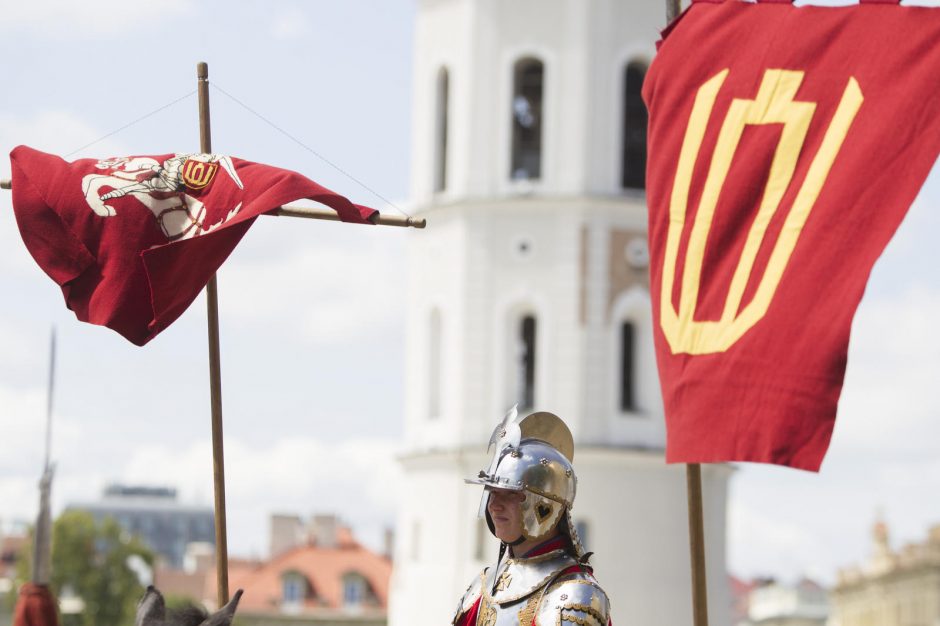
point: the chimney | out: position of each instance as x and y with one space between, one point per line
286 533
389 541
323 530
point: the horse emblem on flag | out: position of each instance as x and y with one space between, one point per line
162 188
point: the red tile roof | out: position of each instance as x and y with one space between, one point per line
323 568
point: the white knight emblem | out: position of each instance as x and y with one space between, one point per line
162 189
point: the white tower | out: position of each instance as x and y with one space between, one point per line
530 285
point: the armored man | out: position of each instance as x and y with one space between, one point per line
541 577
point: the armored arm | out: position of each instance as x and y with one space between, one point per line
574 601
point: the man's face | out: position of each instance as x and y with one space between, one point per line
505 509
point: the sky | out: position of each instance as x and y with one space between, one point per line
312 313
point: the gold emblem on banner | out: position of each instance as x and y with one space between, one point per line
774 104
198 174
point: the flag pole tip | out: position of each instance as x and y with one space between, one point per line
417 222
6 183
202 70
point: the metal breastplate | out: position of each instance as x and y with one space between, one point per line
512 592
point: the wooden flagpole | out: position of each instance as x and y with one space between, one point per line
693 481
215 369
673 8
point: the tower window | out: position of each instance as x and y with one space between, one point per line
434 365
528 77
583 530
483 532
416 541
627 366
525 363
633 175
440 135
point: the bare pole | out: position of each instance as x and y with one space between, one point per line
673 9
42 536
317 213
693 478
49 394
215 369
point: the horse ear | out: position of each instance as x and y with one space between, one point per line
224 616
151 610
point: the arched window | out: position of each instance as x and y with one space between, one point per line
416 541
633 175
482 540
295 590
434 365
628 366
525 362
528 75
584 531
357 592
440 134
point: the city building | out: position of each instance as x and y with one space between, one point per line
530 286
155 514
774 603
317 574
894 588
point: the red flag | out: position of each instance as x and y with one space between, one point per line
35 606
785 146
133 240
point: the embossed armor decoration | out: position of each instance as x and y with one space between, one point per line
553 584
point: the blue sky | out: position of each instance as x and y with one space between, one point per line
312 358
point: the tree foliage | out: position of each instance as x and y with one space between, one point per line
90 560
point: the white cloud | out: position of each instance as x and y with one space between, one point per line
289 25
329 291
357 479
54 130
87 20
894 362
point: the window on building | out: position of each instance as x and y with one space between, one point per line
628 366
434 364
416 541
483 533
440 131
525 362
528 75
633 175
354 590
294 591
583 529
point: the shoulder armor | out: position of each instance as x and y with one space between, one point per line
574 599
470 596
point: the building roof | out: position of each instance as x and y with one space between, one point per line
323 568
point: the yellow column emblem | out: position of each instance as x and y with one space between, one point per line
774 104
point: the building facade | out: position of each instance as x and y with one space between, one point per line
530 286
894 588
317 575
774 603
154 514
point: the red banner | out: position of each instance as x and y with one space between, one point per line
785 146
133 240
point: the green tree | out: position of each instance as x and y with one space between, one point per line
89 560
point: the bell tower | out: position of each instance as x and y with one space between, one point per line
530 286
